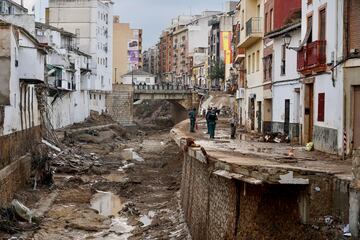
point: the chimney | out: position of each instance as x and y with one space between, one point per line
22 3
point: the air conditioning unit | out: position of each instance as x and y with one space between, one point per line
240 93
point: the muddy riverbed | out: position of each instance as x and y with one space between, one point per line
109 185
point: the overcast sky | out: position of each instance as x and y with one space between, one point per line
154 15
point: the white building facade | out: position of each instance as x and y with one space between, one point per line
91 21
286 84
68 71
18 99
322 89
138 77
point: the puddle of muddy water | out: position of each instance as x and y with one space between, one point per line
130 154
106 203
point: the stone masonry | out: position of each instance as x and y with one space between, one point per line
119 104
218 208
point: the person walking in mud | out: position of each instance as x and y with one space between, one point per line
233 125
212 123
192 116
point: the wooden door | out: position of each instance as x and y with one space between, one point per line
252 113
309 113
357 117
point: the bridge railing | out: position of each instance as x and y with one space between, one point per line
162 87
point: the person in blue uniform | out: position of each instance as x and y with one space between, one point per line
192 116
212 123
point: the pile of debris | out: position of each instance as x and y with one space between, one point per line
153 114
95 119
275 138
17 218
69 161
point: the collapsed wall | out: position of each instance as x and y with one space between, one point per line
221 203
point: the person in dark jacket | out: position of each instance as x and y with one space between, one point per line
233 125
192 116
212 123
207 119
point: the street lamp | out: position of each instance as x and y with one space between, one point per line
287 40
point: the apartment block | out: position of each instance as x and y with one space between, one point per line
127 44
92 23
11 7
67 75
165 57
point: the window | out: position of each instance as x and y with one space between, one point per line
242 19
257 60
322 24
249 64
321 107
271 20
266 23
253 63
309 29
283 60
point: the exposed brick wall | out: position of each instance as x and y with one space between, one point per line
354 24
218 208
13 177
15 165
222 208
119 104
209 201
15 145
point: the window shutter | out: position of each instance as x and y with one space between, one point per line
321 107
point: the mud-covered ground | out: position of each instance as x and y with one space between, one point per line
109 184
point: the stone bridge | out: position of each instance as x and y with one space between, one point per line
120 101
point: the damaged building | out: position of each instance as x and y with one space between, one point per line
68 73
22 60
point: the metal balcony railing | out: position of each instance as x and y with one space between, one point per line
312 57
253 25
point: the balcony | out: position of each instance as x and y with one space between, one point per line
239 54
312 58
253 32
